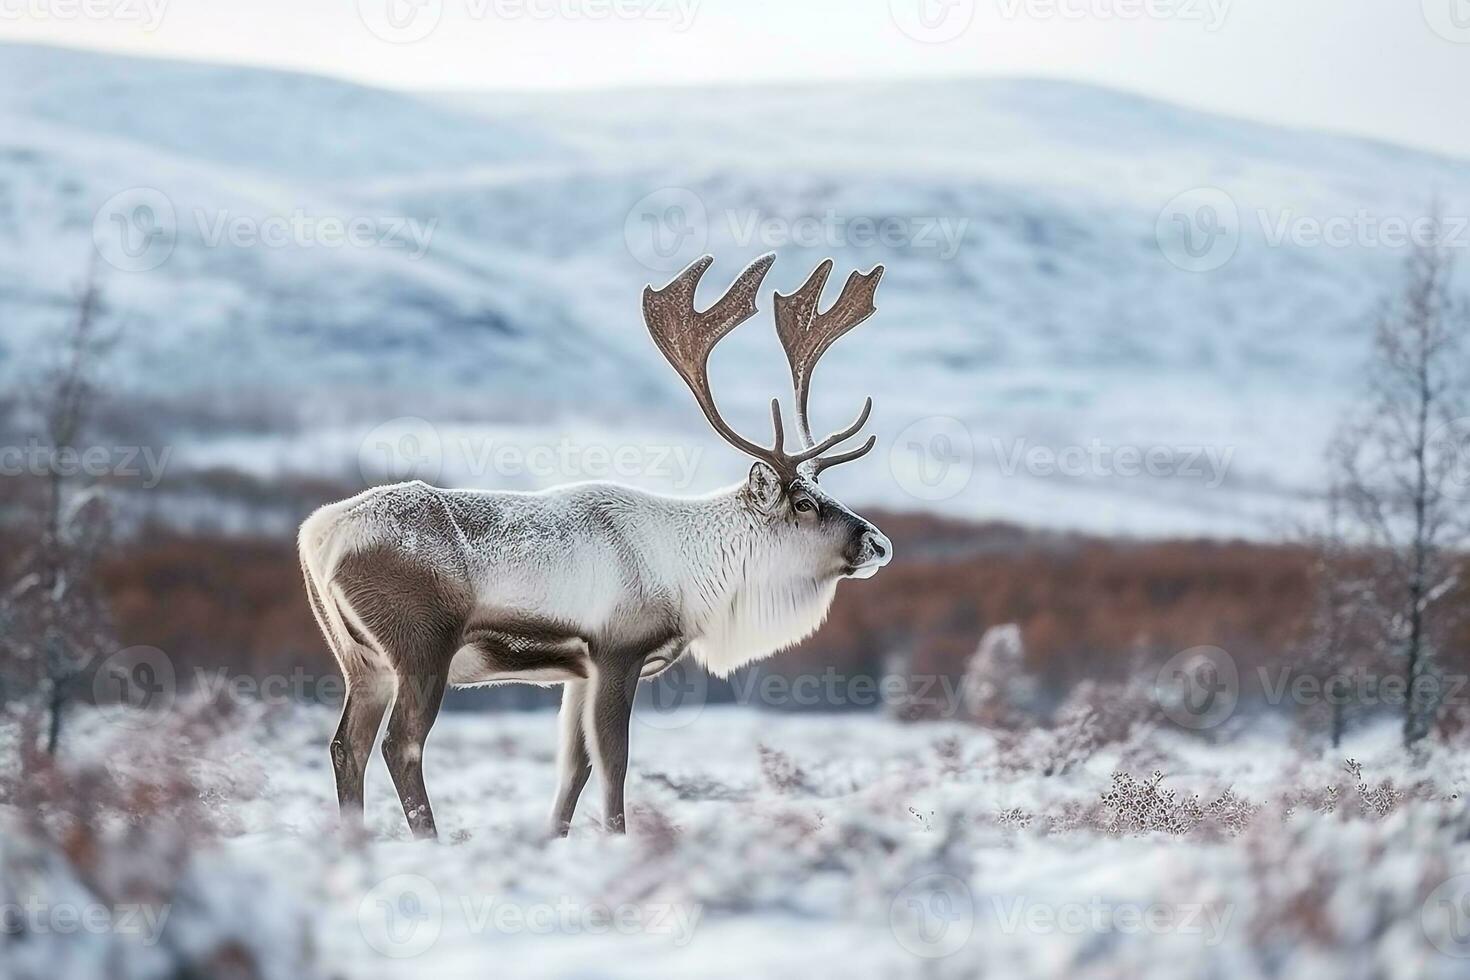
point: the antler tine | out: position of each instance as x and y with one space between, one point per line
806 333
778 427
686 338
822 462
842 435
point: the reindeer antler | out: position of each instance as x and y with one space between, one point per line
806 334
686 337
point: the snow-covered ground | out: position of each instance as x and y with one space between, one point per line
771 845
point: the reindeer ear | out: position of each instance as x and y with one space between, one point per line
763 487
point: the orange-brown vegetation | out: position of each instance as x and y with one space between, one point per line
1087 607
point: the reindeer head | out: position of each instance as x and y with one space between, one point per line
810 527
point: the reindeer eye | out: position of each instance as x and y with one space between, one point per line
804 505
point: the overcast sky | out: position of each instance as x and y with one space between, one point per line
1394 69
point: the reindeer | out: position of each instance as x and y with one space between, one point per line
593 586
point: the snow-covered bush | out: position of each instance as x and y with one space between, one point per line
111 870
128 910
999 692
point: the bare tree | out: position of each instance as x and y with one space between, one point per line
56 620
1336 650
1399 461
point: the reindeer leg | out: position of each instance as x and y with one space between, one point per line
608 714
403 747
367 700
573 764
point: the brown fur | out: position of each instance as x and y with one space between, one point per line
412 615
517 644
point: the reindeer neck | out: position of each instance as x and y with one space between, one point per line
742 600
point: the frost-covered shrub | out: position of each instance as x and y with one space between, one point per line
118 913
1357 797
1072 739
999 692
109 866
1145 805
794 859
782 773
1355 898
695 786
1092 717
1119 711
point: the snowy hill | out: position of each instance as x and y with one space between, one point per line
1038 294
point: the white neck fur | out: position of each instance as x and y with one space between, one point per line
744 603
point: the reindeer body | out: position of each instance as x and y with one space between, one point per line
593 586
581 568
